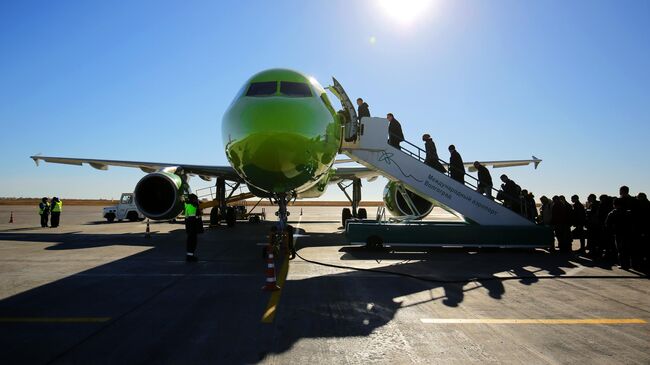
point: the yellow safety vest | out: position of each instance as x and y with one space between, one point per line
190 210
42 206
58 207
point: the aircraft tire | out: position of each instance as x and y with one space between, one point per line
230 217
214 216
346 214
362 213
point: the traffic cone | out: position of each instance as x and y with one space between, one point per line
147 233
11 218
271 284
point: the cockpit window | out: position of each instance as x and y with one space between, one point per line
262 88
298 89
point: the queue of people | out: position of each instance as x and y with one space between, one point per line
608 228
50 210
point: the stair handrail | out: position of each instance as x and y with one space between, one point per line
448 173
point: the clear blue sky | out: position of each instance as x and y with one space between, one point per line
567 81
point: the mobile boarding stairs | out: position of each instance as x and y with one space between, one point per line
486 223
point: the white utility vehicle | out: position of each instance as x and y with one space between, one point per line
126 209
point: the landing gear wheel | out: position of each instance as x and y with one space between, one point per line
230 217
345 216
362 213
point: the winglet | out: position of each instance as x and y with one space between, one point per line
537 161
35 158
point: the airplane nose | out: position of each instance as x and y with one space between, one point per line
274 145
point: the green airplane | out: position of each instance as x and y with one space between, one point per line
281 135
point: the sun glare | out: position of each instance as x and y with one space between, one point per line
404 11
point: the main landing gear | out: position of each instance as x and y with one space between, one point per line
221 211
356 212
281 235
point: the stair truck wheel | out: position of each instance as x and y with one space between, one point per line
374 242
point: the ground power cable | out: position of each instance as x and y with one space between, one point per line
468 280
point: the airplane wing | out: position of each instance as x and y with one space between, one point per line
509 163
204 172
348 173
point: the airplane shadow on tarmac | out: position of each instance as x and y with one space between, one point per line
163 310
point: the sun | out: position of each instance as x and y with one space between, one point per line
404 11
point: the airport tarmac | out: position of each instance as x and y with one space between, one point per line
90 292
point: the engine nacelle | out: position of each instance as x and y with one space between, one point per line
158 195
397 205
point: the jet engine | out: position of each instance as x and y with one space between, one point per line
401 202
158 195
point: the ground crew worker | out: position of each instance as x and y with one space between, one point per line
56 209
44 211
432 154
484 180
395 135
456 165
362 109
192 229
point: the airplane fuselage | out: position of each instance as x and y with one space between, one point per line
281 133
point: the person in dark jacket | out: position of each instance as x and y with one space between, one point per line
643 206
545 214
432 154
484 180
362 109
531 206
619 223
608 245
395 135
509 194
456 165
562 224
593 227
193 226
578 218
44 211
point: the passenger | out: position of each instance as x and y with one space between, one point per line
362 109
44 211
456 166
607 243
432 154
484 180
620 224
395 135
562 224
644 239
593 228
531 206
523 196
630 204
578 218
545 215
509 194
55 209
193 225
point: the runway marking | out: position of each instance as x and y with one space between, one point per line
54 319
269 313
532 321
